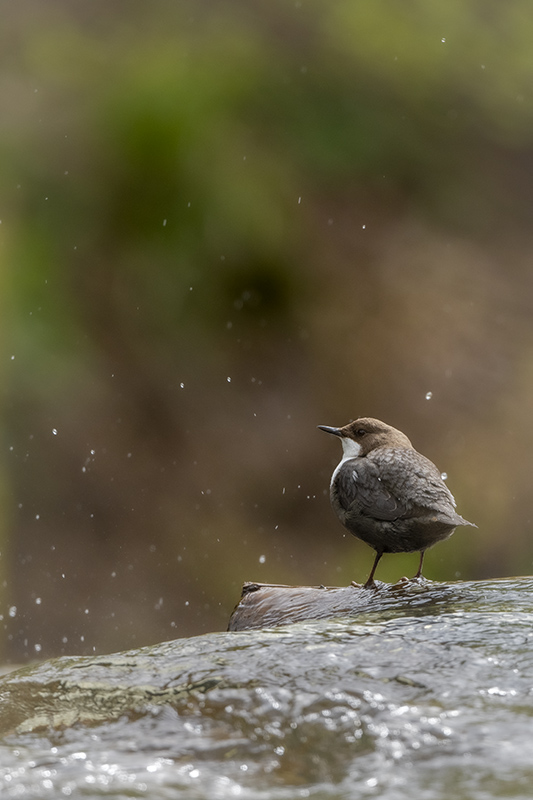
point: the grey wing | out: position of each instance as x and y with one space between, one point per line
415 478
360 488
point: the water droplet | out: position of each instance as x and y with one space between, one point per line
228 380
444 475
429 395
12 611
182 386
443 40
262 559
54 431
38 601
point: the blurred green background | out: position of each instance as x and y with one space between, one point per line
221 225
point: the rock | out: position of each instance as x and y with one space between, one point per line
265 605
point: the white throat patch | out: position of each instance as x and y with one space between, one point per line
350 449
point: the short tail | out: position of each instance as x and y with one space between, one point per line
463 521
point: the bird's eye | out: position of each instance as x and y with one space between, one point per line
360 432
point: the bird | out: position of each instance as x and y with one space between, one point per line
389 495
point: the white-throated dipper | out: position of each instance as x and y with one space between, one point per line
388 494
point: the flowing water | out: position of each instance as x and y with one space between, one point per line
428 695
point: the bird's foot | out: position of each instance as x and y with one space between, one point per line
401 583
416 580
370 584
420 580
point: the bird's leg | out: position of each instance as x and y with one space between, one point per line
419 573
370 580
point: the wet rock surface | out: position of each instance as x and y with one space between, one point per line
265 605
428 693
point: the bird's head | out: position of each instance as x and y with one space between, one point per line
362 435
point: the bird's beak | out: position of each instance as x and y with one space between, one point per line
334 431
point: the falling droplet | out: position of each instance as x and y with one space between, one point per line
262 559
429 395
54 431
444 475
